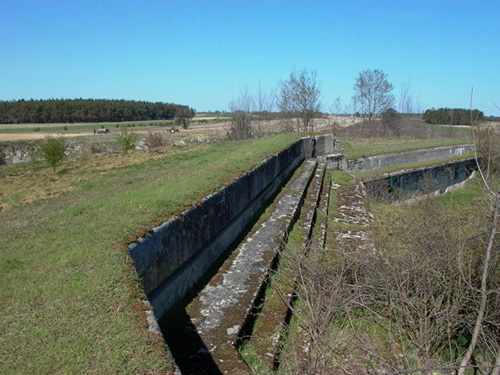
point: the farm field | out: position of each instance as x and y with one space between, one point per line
9 132
199 125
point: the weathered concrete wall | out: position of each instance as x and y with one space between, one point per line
404 184
175 255
326 145
391 160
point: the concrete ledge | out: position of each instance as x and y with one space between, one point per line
391 160
404 184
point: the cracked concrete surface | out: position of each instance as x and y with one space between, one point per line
220 309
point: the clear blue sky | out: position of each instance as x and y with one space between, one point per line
201 53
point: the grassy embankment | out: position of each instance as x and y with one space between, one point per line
68 290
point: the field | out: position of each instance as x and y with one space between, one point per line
71 302
199 125
39 131
68 291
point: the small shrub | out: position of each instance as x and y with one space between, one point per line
2 158
52 149
392 119
65 128
127 140
37 129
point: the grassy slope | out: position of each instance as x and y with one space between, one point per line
68 289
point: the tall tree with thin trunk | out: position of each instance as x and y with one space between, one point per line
405 98
241 119
300 98
372 92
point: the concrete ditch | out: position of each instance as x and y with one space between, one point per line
206 286
221 309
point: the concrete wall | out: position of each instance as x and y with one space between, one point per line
175 255
404 184
326 145
391 160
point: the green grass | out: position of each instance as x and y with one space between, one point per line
443 129
68 289
359 147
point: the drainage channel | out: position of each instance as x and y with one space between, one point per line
274 314
204 330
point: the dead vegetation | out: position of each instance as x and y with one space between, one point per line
425 298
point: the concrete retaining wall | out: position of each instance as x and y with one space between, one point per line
404 184
175 255
391 160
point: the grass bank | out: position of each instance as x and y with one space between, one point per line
70 297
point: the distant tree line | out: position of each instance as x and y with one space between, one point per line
85 110
452 116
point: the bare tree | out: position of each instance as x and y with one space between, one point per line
405 98
241 120
300 98
336 109
372 91
265 103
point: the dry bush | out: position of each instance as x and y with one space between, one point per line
428 283
321 294
154 140
488 147
420 288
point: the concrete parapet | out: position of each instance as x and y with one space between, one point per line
407 183
390 160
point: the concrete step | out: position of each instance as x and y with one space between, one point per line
352 221
272 320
